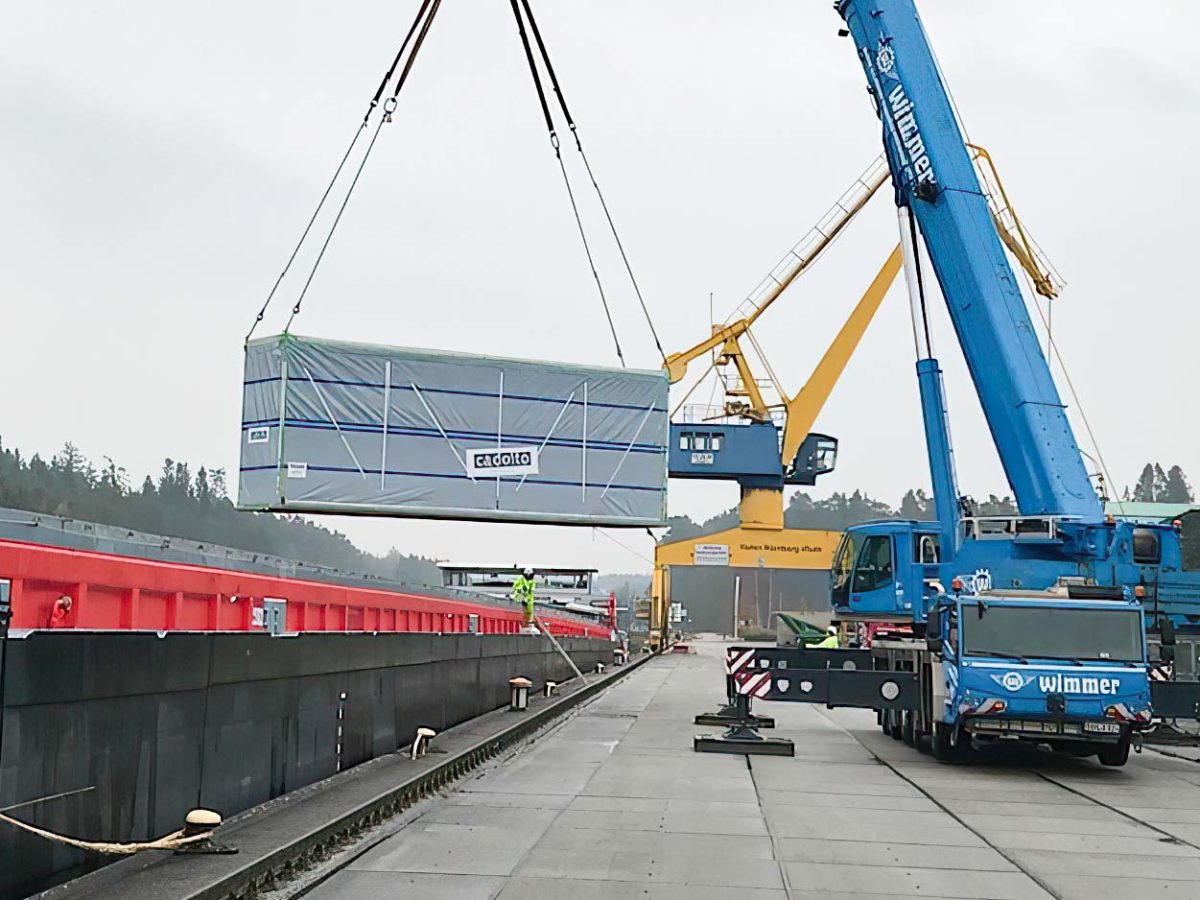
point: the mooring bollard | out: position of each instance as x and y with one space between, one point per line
618 657
200 821
518 694
421 742
599 668
551 688
198 826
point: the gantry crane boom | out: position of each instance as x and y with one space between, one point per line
806 405
754 453
794 263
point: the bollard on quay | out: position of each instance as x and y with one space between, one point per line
518 694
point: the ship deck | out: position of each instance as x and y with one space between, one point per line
613 803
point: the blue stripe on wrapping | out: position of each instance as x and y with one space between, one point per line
461 393
512 480
415 431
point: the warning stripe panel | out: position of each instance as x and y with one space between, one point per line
756 684
735 663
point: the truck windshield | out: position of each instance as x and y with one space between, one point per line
1032 631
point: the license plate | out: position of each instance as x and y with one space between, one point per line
1102 727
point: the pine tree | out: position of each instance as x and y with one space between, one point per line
1160 484
69 459
1177 490
1143 491
114 477
915 505
203 491
216 482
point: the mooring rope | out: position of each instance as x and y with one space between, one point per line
172 841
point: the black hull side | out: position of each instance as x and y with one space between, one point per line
145 727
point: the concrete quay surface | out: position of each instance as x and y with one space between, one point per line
614 804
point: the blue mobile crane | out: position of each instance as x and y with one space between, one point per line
1026 627
1061 532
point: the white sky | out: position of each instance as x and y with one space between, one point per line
157 162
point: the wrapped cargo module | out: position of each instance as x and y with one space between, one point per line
336 427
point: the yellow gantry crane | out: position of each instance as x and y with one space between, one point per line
766 444
761 436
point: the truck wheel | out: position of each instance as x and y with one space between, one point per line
1114 754
964 748
908 729
939 743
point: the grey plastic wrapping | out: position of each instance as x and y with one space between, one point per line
340 427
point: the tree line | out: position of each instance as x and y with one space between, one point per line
194 504
186 503
840 510
837 512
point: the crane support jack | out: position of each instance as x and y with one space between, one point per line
736 710
742 682
742 737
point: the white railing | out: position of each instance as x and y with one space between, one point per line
820 236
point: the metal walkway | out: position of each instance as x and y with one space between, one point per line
614 804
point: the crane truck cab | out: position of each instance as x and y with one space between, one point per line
1043 667
881 569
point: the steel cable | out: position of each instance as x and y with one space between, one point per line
307 228
386 117
591 262
422 20
554 142
428 10
562 102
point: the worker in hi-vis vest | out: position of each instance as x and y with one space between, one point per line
522 592
830 642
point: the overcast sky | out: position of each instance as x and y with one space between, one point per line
158 160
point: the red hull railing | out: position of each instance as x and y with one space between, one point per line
110 592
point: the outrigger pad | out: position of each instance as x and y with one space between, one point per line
743 741
721 719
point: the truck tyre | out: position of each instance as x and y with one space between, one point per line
908 728
1114 754
940 746
894 724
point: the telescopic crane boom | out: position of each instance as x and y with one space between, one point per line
936 182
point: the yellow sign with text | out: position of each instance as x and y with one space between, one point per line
791 548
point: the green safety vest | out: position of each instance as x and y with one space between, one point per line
523 590
830 643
